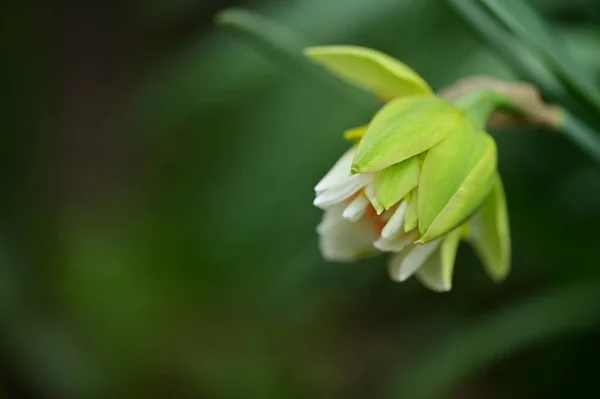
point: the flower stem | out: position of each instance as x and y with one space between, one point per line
479 105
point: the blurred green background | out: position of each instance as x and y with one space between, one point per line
157 236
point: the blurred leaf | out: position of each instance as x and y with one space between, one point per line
582 43
564 309
534 69
509 49
581 134
526 24
287 49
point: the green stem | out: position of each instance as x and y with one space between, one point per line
479 105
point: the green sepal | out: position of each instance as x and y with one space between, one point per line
393 183
489 233
370 69
436 272
455 178
402 129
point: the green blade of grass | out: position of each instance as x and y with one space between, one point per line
508 47
521 19
581 134
532 68
283 47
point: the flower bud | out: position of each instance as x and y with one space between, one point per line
421 176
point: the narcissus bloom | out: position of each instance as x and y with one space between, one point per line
420 177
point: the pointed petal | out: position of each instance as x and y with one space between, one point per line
456 176
356 209
394 226
402 129
370 69
393 183
370 193
339 173
436 272
490 235
335 195
410 220
396 244
407 262
338 184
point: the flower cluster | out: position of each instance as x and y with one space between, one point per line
420 177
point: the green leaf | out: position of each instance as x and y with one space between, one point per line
436 272
393 183
508 47
404 128
581 134
370 70
410 219
489 233
531 28
455 178
284 48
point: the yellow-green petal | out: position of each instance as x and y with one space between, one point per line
410 220
370 193
370 69
490 235
402 129
456 176
354 135
393 183
436 273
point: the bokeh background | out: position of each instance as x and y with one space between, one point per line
157 233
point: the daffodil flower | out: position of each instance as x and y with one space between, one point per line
420 177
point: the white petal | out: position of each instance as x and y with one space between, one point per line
436 273
342 240
370 193
338 173
333 195
396 224
331 218
396 244
433 274
406 263
356 209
